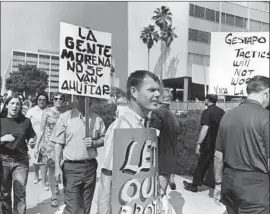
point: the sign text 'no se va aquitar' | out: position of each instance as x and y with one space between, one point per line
85 61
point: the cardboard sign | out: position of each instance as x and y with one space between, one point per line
135 172
85 61
235 58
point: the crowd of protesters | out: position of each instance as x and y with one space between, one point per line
54 138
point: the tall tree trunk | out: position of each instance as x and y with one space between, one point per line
148 59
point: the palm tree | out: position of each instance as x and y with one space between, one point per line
163 19
149 36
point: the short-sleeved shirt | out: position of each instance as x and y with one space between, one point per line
21 129
243 137
211 117
129 119
70 131
35 115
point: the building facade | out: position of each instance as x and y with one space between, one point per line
47 61
187 60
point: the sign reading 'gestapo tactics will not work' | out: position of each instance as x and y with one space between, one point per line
85 61
135 172
235 58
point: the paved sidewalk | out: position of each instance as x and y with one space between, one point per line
184 202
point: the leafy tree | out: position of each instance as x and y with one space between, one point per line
149 36
163 19
118 92
28 79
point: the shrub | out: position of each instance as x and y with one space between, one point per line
188 133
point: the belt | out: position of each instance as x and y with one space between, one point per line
81 161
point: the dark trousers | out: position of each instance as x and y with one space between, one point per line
245 192
79 181
14 173
204 162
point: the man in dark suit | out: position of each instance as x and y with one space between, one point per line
206 144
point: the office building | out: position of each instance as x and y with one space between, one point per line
187 60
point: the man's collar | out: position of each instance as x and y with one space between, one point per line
138 117
251 101
213 104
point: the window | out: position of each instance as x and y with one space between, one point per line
193 35
191 9
265 26
199 12
239 21
229 19
198 59
255 26
223 18
210 15
206 60
204 37
199 36
217 16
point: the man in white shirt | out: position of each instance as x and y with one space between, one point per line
35 115
143 93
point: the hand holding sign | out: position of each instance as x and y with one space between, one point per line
88 142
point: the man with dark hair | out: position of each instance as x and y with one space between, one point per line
143 94
242 164
206 144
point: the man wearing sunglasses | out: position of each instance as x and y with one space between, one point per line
79 154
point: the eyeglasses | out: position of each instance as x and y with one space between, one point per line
56 99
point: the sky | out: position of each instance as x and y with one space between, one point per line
35 25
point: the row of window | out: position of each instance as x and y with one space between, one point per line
203 13
55 81
228 19
199 36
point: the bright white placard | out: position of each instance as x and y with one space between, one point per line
235 58
85 61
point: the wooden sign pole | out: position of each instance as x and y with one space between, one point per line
87 109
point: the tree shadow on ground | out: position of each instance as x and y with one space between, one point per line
177 201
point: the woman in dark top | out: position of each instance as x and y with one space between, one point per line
16 130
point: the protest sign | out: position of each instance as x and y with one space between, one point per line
235 58
135 172
85 61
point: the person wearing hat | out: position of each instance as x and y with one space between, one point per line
206 143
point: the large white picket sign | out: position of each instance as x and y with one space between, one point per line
235 58
85 61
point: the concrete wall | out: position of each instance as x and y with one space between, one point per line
138 18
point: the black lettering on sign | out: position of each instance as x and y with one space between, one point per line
90 35
69 42
67 55
220 90
243 72
241 63
79 43
248 40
